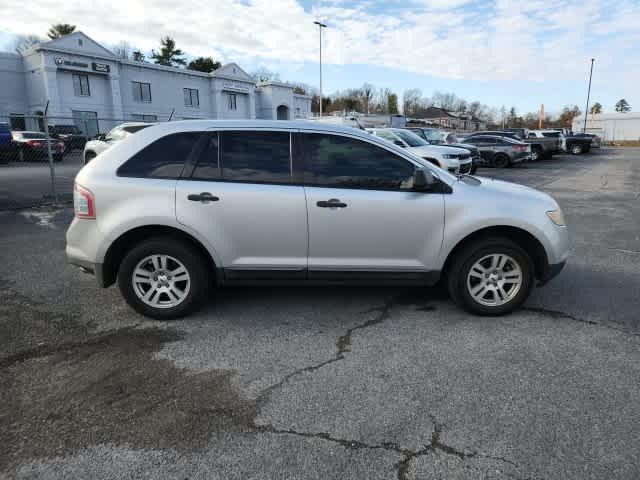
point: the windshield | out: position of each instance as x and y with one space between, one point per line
135 128
433 136
410 139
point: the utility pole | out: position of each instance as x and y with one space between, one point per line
320 27
586 110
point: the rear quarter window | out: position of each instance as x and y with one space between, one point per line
164 158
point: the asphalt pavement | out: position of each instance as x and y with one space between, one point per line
323 383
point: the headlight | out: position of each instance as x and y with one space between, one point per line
556 217
447 155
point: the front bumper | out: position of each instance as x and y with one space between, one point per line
551 272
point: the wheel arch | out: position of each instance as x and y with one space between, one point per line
534 248
118 249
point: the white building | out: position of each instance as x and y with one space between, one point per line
611 127
86 84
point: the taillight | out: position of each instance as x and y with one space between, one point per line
83 203
34 143
519 148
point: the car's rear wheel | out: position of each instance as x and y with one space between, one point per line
164 278
576 149
536 154
491 277
501 160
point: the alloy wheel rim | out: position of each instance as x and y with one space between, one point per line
494 280
161 281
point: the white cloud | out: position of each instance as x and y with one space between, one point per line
488 40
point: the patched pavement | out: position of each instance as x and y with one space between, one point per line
332 382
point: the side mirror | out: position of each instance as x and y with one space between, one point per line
423 179
101 136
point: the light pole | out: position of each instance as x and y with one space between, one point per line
320 27
586 110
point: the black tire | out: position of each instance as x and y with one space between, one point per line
58 158
89 156
501 160
459 270
536 154
576 149
191 259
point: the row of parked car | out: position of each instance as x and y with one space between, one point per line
465 153
27 145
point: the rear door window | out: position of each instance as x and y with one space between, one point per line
163 158
261 157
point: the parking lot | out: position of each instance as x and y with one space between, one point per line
328 382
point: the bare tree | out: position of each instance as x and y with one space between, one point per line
23 42
367 92
263 74
123 50
411 101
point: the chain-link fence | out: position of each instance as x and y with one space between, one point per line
38 164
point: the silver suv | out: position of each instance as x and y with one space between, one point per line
180 206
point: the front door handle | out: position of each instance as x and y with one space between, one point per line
333 203
203 197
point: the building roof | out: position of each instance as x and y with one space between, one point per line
610 116
436 112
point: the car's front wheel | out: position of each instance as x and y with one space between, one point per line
491 277
164 278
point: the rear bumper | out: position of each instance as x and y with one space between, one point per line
94 269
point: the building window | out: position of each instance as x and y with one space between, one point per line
191 98
141 92
233 105
81 85
139 117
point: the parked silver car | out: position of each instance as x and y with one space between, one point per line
98 145
181 205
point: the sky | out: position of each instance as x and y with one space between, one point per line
500 52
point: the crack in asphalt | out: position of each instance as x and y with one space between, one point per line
343 344
556 314
402 465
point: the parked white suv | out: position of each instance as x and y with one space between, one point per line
94 147
179 206
454 160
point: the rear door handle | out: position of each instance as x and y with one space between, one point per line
203 197
332 203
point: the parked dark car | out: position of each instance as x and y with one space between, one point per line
31 146
438 137
6 145
577 145
499 133
498 151
71 135
521 132
541 147
596 141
